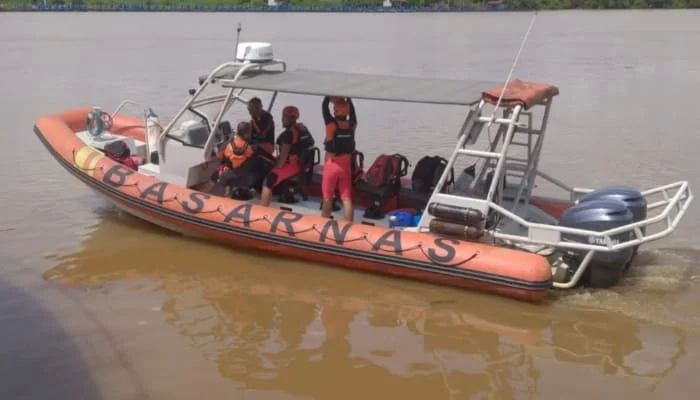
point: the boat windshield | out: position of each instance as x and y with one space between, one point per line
194 125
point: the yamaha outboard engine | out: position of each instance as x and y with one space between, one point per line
606 268
633 199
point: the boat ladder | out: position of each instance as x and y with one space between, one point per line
512 134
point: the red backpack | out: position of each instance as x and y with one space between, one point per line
119 151
386 170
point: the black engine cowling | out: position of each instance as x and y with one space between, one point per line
606 268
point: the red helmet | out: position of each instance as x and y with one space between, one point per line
290 112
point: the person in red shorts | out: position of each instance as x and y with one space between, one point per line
339 146
291 144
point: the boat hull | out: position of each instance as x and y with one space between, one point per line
421 256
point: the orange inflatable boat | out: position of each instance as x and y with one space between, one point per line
243 224
444 231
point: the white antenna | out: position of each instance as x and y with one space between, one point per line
238 35
512 68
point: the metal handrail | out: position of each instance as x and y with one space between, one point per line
240 69
575 192
244 68
198 103
126 102
681 200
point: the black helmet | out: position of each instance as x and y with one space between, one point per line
243 126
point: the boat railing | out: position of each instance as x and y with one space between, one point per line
677 197
574 193
125 103
230 71
233 93
240 68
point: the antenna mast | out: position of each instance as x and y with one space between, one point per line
238 36
512 68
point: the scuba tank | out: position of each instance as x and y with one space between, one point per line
153 131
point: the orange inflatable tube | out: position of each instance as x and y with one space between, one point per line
422 256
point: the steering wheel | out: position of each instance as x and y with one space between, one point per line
96 126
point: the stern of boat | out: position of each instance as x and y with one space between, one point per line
590 236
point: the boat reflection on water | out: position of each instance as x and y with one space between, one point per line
319 332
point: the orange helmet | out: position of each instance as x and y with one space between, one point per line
341 108
290 112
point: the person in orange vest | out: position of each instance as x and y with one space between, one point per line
291 144
339 145
236 157
263 125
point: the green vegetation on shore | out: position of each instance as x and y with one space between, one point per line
605 4
457 4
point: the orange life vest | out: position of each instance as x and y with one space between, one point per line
238 151
301 141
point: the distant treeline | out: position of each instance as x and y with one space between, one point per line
249 5
335 5
605 4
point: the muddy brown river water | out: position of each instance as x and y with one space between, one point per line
98 305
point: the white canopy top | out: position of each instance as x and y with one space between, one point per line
364 86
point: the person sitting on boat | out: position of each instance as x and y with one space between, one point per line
339 145
263 125
292 143
220 147
237 157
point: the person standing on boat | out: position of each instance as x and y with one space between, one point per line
339 145
263 125
237 157
292 143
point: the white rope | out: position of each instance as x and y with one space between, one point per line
512 68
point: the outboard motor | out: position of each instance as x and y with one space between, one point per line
633 199
606 268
